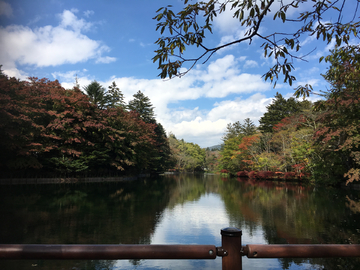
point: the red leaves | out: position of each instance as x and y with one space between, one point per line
248 141
242 174
41 119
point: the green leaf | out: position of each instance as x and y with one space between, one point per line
283 16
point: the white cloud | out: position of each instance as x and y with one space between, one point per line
5 9
14 72
250 64
66 76
239 109
225 22
49 45
106 59
69 20
88 13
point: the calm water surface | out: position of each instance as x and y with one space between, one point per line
181 209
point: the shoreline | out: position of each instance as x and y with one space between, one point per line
70 180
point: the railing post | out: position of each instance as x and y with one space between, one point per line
231 245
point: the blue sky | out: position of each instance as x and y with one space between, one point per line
114 41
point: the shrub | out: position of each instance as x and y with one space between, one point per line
252 174
289 175
261 175
242 174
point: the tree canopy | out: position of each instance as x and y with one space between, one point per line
190 26
303 139
48 130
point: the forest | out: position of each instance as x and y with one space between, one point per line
299 139
49 131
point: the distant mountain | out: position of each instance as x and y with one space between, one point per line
215 147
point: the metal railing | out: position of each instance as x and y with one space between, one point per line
231 251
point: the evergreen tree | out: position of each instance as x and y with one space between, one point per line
232 130
236 129
162 154
102 98
278 110
116 97
96 94
248 128
142 105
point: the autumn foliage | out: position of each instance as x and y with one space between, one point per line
45 128
319 141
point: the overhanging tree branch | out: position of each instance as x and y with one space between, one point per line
185 31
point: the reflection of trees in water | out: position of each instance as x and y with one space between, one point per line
128 212
190 188
294 214
67 214
106 213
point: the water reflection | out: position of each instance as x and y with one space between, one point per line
178 209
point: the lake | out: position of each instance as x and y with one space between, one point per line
179 209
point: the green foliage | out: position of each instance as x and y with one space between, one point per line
186 156
193 23
276 111
162 157
288 148
66 165
228 155
268 161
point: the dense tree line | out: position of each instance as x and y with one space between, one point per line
47 130
302 139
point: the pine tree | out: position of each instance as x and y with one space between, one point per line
105 98
248 128
142 105
276 111
96 94
116 97
235 129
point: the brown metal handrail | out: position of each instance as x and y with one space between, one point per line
106 252
231 251
300 251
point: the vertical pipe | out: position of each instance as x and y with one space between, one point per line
231 243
